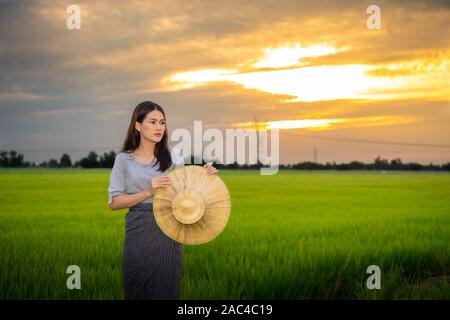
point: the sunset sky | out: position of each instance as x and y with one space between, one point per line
313 69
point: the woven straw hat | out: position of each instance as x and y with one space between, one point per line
195 208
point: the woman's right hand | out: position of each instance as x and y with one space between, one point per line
160 182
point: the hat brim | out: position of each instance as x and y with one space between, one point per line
195 208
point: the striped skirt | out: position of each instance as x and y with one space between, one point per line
151 260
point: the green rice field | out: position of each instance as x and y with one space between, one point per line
294 235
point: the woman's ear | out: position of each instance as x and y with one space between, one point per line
137 126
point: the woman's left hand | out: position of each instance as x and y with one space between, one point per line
210 170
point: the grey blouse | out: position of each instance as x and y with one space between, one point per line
130 176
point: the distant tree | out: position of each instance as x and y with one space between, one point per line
107 160
412 166
258 165
3 158
53 163
220 166
356 165
396 164
307 165
15 159
65 161
381 164
43 164
90 161
330 166
233 165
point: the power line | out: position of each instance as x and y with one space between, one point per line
398 143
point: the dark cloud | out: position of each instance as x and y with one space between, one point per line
67 88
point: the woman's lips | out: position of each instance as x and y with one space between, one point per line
158 134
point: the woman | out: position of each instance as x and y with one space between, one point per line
151 260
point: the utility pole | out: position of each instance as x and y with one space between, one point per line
315 154
256 127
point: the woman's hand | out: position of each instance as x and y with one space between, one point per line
160 182
210 170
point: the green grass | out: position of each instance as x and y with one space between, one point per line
295 235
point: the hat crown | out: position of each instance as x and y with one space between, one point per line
188 206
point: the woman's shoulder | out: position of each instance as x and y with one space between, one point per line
124 155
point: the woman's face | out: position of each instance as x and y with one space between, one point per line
153 126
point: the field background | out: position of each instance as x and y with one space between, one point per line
295 235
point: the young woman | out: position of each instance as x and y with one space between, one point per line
151 260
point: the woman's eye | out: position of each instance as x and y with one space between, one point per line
154 122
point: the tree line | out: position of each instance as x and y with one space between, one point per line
13 159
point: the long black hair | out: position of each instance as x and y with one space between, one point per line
133 137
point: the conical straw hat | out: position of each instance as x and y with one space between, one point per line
195 208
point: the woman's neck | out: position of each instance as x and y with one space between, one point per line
146 148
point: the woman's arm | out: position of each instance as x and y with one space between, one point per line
128 200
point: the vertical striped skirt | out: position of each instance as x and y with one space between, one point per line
151 260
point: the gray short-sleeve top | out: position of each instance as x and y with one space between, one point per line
129 176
